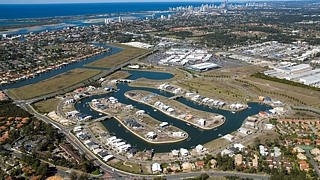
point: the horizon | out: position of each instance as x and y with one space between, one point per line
33 2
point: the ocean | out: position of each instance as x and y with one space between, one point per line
21 11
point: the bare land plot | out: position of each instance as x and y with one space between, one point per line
47 106
310 97
236 71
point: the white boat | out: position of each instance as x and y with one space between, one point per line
154 110
219 135
188 124
100 114
233 112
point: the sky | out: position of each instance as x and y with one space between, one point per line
105 1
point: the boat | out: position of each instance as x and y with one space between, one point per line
100 114
216 129
233 112
219 135
154 110
188 124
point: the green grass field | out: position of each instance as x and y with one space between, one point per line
47 106
114 60
53 84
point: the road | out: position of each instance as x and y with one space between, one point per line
312 161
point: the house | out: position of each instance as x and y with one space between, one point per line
315 151
304 166
164 124
186 166
244 131
277 152
255 161
263 151
287 165
298 149
151 135
238 159
239 146
200 164
202 122
175 153
175 167
227 152
156 168
213 163
199 148
140 112
184 152
228 137
317 158
269 126
301 156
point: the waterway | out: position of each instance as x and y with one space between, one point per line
49 74
197 136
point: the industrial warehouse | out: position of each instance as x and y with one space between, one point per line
302 73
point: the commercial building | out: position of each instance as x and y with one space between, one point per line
203 67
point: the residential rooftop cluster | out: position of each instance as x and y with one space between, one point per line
29 55
198 118
210 102
137 121
7 124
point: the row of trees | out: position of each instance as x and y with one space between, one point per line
284 81
271 92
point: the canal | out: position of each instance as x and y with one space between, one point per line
196 135
49 74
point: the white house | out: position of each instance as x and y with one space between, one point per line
239 146
164 124
184 152
202 122
228 137
151 135
156 168
262 150
269 126
199 148
244 131
140 112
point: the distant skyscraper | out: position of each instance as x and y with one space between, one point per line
120 19
226 4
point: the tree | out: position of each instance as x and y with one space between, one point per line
43 170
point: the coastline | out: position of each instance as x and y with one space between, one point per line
136 134
196 125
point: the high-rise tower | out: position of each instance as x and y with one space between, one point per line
226 4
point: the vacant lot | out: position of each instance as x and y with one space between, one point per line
53 84
118 75
47 106
310 97
125 55
242 71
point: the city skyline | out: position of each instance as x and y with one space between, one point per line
115 1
